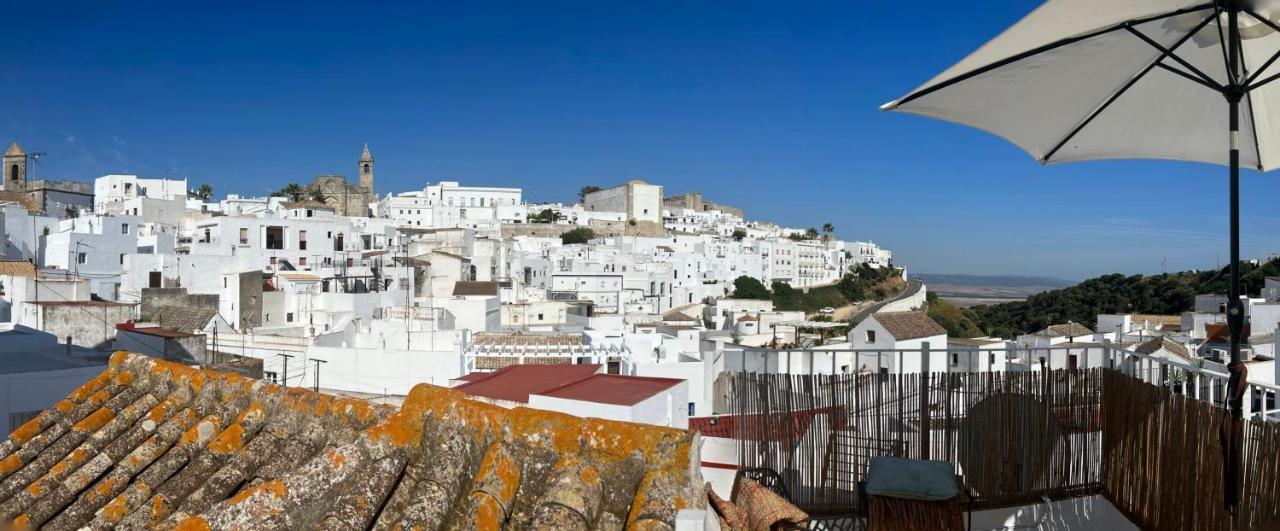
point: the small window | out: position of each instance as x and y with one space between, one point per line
692 408
871 336
122 259
288 317
124 228
224 282
244 236
539 317
82 258
271 376
302 260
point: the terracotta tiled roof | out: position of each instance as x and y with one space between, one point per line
909 325
154 444
526 339
1067 330
464 288
182 318
1167 322
1153 345
17 268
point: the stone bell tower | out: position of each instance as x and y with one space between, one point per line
366 172
14 169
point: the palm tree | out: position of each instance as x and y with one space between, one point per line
827 230
205 192
292 190
811 233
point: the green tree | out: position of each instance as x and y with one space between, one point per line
578 235
582 193
739 234
852 287
950 317
786 297
545 216
317 195
745 287
205 192
292 190
811 233
828 230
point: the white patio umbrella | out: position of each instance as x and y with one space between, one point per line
1077 80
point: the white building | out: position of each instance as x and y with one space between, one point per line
897 339
640 201
110 192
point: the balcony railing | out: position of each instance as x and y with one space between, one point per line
1056 422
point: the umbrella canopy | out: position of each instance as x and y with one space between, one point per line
1104 79
1188 80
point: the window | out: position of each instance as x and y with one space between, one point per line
955 358
871 336
302 260
124 228
302 240
82 258
121 258
691 408
273 261
224 282
275 238
288 317
991 359
271 377
244 236
308 212
539 317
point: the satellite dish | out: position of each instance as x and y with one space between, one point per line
1007 446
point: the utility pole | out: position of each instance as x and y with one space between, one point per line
284 377
317 375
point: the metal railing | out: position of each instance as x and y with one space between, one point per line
1185 377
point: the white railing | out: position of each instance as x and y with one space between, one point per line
1185 377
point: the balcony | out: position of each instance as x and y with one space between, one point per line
1121 440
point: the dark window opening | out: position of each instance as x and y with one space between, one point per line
275 237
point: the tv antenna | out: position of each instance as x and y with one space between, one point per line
35 163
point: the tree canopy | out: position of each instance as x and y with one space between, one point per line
745 287
578 235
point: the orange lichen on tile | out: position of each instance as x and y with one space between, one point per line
22 522
118 358
562 432
400 430
194 523
35 489
64 406
101 490
201 432
335 457
116 509
274 488
11 464
90 387
589 475
94 421
100 397
489 514
230 440
26 431
160 412
123 378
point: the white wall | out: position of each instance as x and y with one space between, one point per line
37 391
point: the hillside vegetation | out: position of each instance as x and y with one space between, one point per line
1170 293
863 283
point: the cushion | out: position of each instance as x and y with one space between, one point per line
730 517
913 479
762 508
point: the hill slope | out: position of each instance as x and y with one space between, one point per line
1170 293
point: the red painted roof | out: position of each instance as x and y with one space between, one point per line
516 382
613 389
768 427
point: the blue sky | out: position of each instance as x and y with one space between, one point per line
770 106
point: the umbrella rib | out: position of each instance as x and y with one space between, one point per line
1190 77
1042 49
1275 28
1132 81
1253 126
1169 53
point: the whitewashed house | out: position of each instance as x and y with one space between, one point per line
895 341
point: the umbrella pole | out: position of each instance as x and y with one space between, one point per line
1232 426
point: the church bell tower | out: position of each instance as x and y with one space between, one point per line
15 169
366 171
